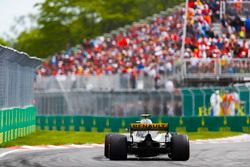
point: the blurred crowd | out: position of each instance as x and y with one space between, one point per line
144 48
202 42
154 48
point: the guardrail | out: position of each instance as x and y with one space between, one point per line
119 124
232 8
216 68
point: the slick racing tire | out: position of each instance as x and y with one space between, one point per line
179 148
107 145
118 147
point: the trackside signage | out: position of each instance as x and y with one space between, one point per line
145 127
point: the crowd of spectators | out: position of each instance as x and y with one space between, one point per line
153 48
203 42
149 48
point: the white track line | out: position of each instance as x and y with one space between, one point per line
56 147
34 147
8 152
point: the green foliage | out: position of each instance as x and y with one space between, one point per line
63 22
3 42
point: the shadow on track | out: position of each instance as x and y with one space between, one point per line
102 158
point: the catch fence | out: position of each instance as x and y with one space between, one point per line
181 102
17 115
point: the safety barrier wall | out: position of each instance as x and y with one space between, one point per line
119 124
17 122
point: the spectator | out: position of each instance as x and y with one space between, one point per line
215 101
169 86
157 81
234 102
247 26
133 78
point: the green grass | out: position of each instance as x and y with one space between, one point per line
62 137
57 138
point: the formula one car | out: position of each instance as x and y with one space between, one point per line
147 139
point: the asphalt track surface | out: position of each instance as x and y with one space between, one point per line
209 154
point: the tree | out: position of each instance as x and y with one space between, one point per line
63 22
3 42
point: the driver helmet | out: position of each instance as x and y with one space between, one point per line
145 119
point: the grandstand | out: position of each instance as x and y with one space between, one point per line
140 49
151 49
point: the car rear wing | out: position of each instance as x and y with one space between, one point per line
149 127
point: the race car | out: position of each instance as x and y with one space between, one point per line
147 139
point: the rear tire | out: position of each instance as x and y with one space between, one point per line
107 146
180 148
118 147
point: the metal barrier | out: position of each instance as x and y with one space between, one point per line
216 68
230 7
114 103
116 124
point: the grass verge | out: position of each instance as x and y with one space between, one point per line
62 137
